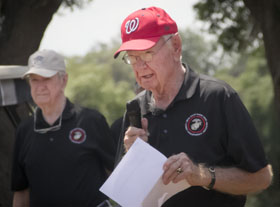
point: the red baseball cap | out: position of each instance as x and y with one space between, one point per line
143 28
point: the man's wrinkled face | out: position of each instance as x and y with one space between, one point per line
45 91
154 74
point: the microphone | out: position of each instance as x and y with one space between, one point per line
133 112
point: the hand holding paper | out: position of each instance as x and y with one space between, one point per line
137 182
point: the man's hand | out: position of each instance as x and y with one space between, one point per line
132 133
180 166
230 180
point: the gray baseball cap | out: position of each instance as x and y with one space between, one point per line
45 63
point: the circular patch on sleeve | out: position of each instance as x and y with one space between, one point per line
77 135
196 124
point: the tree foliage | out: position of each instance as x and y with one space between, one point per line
75 3
22 26
231 21
98 81
240 25
197 52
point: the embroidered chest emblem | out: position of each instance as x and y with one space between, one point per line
77 135
196 124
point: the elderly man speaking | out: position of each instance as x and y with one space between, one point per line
62 152
198 122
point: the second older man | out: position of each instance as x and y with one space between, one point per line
63 151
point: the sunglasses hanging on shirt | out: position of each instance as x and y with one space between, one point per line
45 130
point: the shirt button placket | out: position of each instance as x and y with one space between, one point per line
165 131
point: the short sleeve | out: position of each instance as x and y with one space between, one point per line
107 146
244 145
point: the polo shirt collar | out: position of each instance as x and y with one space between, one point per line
189 85
69 110
67 113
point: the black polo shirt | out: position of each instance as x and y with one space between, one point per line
64 167
208 122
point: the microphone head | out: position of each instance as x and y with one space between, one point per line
132 106
134 113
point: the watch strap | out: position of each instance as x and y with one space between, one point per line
213 178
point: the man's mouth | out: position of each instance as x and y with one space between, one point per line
147 76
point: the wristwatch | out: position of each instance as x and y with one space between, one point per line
213 178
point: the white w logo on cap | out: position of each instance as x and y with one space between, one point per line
131 25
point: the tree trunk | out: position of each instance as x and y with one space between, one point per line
267 14
22 25
23 28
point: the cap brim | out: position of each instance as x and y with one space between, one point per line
137 44
41 72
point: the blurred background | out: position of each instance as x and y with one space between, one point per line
233 40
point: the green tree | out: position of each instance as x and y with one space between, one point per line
241 24
98 81
197 52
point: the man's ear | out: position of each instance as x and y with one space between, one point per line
65 80
177 45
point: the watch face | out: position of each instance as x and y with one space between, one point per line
211 169
213 180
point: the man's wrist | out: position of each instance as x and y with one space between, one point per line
212 172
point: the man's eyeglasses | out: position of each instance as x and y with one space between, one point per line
45 130
147 57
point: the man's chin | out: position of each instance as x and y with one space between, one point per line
41 102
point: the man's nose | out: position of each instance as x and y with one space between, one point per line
140 63
41 85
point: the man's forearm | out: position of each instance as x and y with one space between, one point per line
21 198
238 182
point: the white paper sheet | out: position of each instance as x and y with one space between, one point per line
136 181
